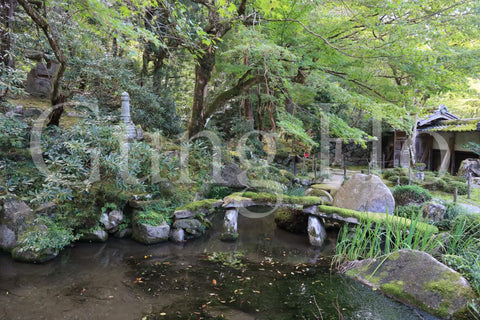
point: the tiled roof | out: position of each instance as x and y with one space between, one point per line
458 125
439 115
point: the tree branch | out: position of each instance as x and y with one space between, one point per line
243 84
325 40
360 84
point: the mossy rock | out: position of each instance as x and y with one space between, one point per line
331 188
291 220
34 256
410 195
198 205
249 198
349 215
93 235
417 279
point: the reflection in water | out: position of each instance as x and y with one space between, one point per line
94 281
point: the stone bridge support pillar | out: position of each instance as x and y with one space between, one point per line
316 231
230 225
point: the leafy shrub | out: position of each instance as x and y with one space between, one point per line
395 172
150 218
452 210
155 213
409 211
47 234
462 187
219 192
297 191
11 80
406 195
464 247
393 178
13 133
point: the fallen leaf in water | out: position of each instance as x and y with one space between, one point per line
214 282
163 314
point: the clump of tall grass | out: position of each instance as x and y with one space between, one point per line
463 249
369 239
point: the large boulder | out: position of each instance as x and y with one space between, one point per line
416 278
8 239
434 211
148 234
232 176
365 193
177 235
16 215
187 224
33 256
469 166
112 220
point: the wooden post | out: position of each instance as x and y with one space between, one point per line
455 195
320 165
295 165
409 174
315 167
344 168
469 182
383 161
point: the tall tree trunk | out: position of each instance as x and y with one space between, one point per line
114 47
203 73
7 13
157 74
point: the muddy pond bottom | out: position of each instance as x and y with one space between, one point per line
266 274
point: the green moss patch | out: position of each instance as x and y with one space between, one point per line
197 205
416 278
274 198
375 217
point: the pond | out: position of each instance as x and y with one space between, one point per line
267 274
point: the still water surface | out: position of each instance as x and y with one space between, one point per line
282 278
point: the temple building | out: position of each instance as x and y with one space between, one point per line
439 142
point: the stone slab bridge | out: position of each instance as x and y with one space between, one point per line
317 208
